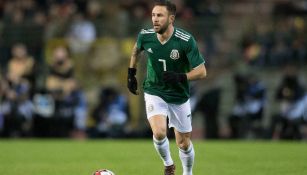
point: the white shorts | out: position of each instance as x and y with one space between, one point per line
179 116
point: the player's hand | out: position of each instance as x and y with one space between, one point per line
132 82
173 77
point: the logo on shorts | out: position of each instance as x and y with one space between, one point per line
150 108
189 115
174 54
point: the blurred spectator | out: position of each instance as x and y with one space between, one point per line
292 100
138 11
209 105
205 7
81 35
17 86
278 45
59 17
281 51
70 109
16 109
21 67
248 111
182 11
96 15
110 114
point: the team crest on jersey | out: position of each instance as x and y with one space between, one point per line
174 54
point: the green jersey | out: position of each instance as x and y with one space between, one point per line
179 54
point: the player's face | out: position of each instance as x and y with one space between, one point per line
161 19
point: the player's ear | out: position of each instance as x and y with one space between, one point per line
172 18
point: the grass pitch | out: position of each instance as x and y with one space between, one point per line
138 157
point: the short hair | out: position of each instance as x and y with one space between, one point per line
171 7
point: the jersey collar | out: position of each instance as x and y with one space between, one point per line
163 43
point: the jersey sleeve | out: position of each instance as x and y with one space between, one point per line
139 43
193 54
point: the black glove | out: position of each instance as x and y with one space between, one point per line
173 77
132 82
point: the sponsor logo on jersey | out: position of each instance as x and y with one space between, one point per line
149 50
174 54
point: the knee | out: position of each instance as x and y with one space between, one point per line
159 134
183 144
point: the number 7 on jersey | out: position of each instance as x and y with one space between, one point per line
164 64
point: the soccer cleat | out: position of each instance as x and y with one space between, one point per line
169 170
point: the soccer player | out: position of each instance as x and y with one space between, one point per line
173 61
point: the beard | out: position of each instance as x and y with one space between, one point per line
162 29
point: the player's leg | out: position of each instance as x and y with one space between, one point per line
160 140
181 120
186 151
157 111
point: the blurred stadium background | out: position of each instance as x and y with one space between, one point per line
64 63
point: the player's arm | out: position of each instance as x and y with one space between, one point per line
198 72
131 81
134 56
196 60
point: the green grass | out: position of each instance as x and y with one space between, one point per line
138 157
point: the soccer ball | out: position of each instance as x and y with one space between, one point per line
103 172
